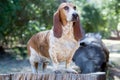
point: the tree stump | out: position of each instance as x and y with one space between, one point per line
53 76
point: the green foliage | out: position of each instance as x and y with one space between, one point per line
111 12
99 15
19 52
20 19
92 18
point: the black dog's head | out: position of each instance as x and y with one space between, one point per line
90 56
91 39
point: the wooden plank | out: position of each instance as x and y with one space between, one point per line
52 76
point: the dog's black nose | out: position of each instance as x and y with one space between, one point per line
82 44
75 15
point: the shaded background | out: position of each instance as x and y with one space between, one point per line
20 19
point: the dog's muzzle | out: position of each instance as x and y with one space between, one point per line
74 16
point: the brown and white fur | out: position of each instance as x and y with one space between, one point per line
59 43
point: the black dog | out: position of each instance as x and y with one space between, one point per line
92 55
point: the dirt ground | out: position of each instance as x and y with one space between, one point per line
114 49
8 65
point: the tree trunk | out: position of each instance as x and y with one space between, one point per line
52 76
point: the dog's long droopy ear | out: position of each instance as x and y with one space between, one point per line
77 30
57 26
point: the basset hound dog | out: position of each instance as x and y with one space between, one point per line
58 44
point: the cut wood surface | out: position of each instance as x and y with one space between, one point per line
52 76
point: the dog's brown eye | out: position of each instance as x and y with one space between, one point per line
66 7
74 7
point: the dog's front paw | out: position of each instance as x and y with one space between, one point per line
71 71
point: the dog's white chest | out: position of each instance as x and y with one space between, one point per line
68 45
63 48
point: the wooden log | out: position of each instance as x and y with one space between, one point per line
52 76
114 72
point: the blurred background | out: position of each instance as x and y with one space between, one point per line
20 19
